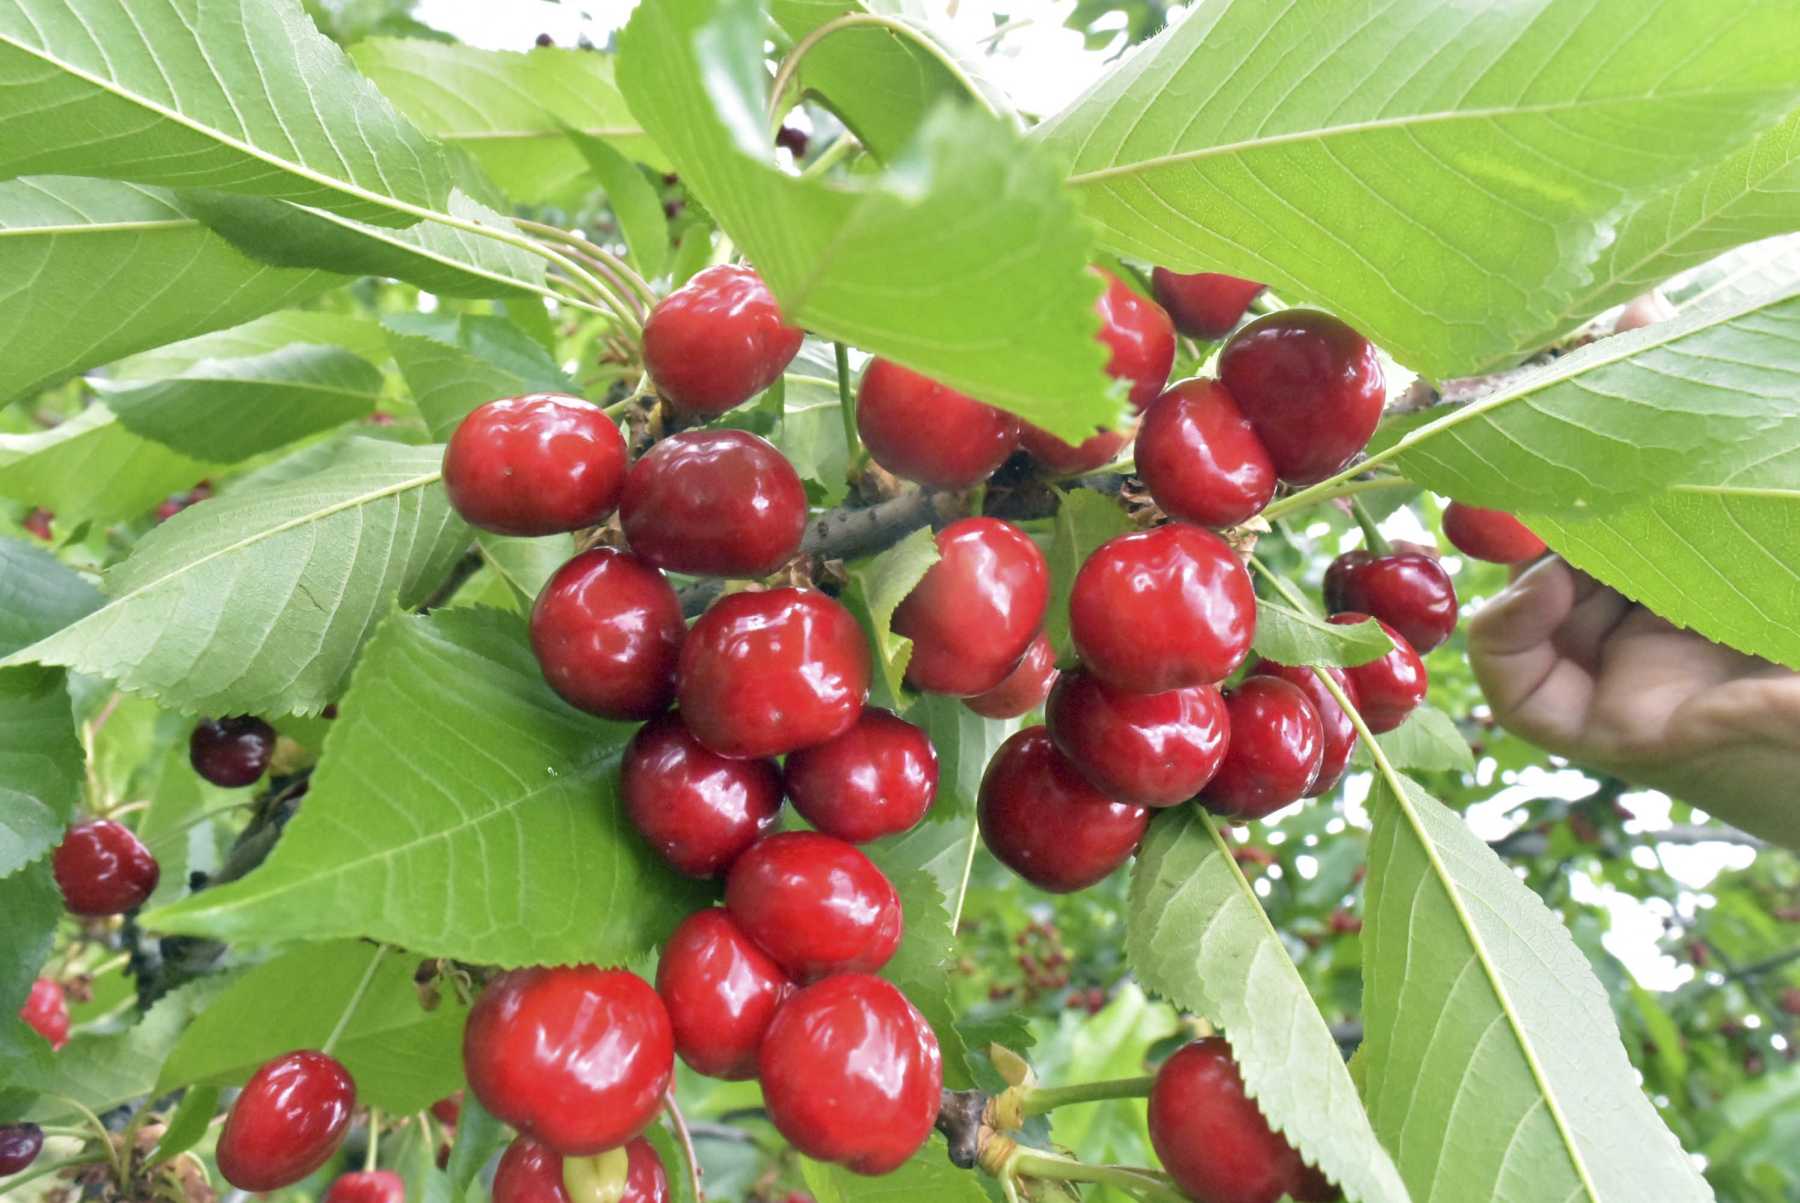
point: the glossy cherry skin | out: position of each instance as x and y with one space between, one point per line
1046 822
878 778
1154 749
764 674
1024 688
1388 689
46 1012
714 503
289 1120
575 1056
1277 749
721 991
1204 304
607 630
1492 535
1340 734
1408 590
1071 459
1200 458
231 752
1139 335
20 1145
368 1186
923 431
448 1110
1162 609
977 609
696 807
103 869
535 465
717 341
1215 1142
1310 385
815 904
530 1172
851 1073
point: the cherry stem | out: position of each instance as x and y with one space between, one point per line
1340 485
1373 539
1145 1184
1283 586
203 817
847 402
370 1154
790 66
356 998
1041 1100
13 1184
99 1129
831 156
679 1122
617 270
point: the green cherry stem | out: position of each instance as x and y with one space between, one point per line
1373 540
13 1184
356 998
1340 485
1041 1100
847 401
1283 586
370 1154
1145 1184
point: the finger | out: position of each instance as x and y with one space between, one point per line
1527 613
1533 688
1597 614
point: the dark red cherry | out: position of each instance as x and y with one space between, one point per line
448 1110
288 1121
1024 688
530 1172
535 465
851 1073
1388 689
696 807
1204 304
38 522
645 1179
815 904
46 1012
103 869
878 778
717 341
921 430
1139 335
368 1186
1310 385
763 674
1046 822
231 752
575 1056
1213 1139
1492 535
1070 459
20 1145
1408 590
1340 735
607 631
721 991
977 609
1154 749
1162 609
1277 749
1200 459
714 503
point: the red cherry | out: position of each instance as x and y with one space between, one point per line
721 991
1277 749
1408 590
1213 1139
103 869
1046 822
697 808
1388 689
1154 749
576 1057
1069 459
851 1073
1204 304
530 1172
815 904
717 341
368 1186
714 503
1140 337
288 1121
535 465
46 1012
38 523
645 1179
1340 735
1200 459
1162 609
1492 535
921 430
20 1145
763 674
1024 688
231 752
607 631
878 778
1310 385
977 609
448 1109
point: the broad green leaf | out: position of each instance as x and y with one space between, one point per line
928 1176
921 968
257 602
1114 1044
41 763
115 268
964 261
811 431
1452 211
1198 936
877 587
39 595
460 810
100 1070
58 468
1427 741
361 336
188 1126
525 564
456 362
1288 636
32 905
1084 521
633 200
28 828
478 1137
243 96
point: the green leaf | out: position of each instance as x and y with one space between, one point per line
242 96
478 1137
361 336
633 200
57 468
929 1175
39 595
525 564
877 587
1452 212
41 764
922 966
1197 935
1084 521
456 362
101 1070
1427 741
32 905
810 432
460 810
1288 636
1116 1043
675 1164
188 1126
964 261
257 602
